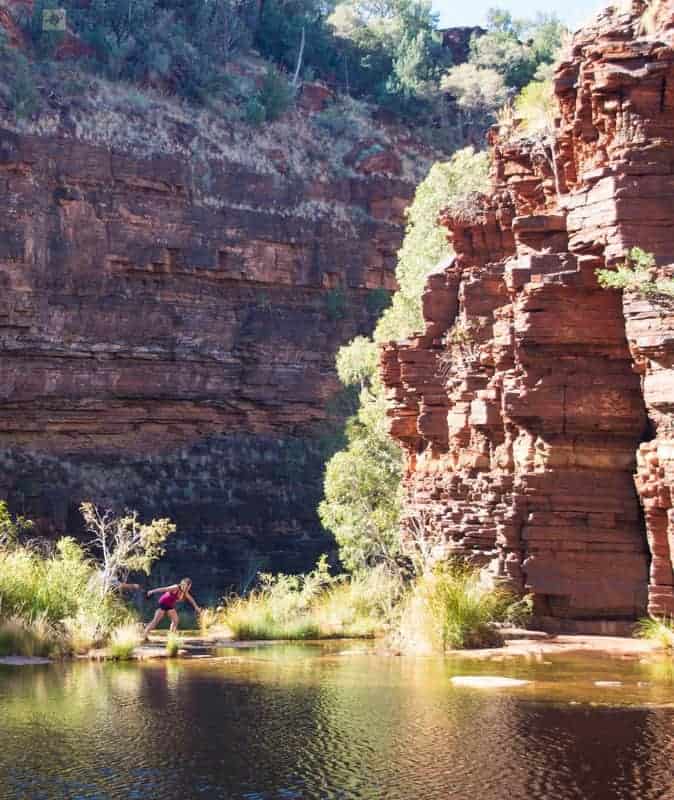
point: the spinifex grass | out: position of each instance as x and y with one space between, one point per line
172 645
59 589
313 606
124 640
451 608
19 636
657 629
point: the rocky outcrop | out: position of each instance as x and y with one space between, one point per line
169 320
522 404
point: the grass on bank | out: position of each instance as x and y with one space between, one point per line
19 636
123 641
314 606
50 601
657 629
451 607
448 607
172 645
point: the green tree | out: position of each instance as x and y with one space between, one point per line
125 544
502 52
516 48
362 489
363 481
425 243
479 93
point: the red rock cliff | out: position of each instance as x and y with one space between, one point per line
522 404
174 290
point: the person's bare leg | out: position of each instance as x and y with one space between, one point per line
173 615
158 617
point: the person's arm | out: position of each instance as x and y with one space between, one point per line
189 597
163 589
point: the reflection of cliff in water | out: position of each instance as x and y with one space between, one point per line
304 722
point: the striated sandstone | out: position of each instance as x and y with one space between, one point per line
522 404
168 327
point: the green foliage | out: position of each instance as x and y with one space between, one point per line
254 111
357 362
636 274
391 51
535 108
362 490
657 629
334 120
280 607
316 605
124 543
336 304
183 46
451 608
377 300
450 184
20 636
503 53
61 596
275 94
279 33
18 80
362 482
58 590
517 48
479 93
172 645
11 528
123 641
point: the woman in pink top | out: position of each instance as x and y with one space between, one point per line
171 596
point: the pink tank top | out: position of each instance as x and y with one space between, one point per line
169 599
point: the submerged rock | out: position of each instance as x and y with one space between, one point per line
487 681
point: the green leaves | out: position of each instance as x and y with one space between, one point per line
638 273
125 544
363 482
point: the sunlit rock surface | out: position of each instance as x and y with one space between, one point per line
522 404
169 324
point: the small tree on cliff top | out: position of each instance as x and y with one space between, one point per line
126 544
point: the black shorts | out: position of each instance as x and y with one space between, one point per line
164 607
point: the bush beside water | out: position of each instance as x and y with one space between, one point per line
124 640
656 629
172 645
55 599
451 607
314 606
51 601
448 607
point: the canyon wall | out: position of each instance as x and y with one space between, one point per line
533 394
173 296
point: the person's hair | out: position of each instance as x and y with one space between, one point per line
184 582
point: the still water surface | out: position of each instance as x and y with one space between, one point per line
336 722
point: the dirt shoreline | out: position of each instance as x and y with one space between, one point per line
529 645
542 645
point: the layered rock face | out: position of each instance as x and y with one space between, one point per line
523 403
168 327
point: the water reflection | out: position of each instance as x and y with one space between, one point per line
309 723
